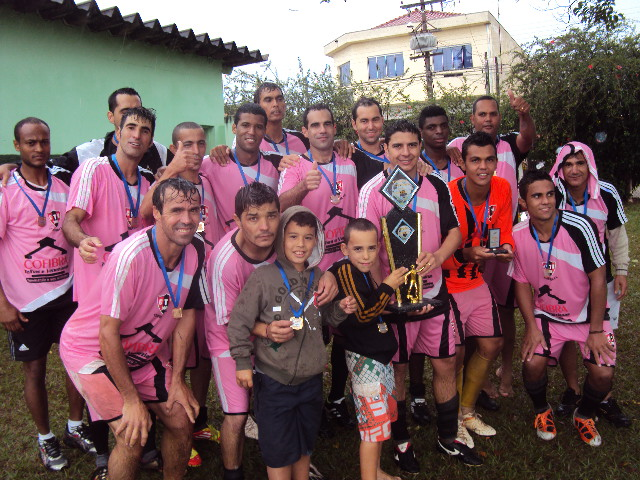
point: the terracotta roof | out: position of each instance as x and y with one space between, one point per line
416 16
88 15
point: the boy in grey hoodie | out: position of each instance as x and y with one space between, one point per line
288 380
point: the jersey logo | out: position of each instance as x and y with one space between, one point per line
54 217
339 188
204 212
492 210
130 218
46 242
23 348
611 339
163 302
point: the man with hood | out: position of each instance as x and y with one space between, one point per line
576 175
288 380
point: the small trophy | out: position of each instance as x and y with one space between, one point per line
493 242
402 231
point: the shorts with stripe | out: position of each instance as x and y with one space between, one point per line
476 314
557 334
434 336
374 396
94 383
234 399
502 286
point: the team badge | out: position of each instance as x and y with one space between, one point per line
132 221
548 269
204 212
163 302
54 217
492 210
611 339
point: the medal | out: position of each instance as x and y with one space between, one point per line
547 270
335 199
41 220
297 319
335 195
382 327
177 313
200 228
175 297
296 323
133 221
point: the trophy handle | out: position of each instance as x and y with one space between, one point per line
419 247
387 245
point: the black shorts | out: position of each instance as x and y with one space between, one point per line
42 330
288 418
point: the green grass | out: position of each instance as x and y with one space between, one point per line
515 453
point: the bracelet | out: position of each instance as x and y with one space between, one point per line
268 325
592 332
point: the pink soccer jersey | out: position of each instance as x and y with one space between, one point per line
334 217
37 263
227 180
291 141
576 252
452 172
97 189
438 217
228 269
132 288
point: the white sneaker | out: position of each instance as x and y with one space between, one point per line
463 435
251 428
473 423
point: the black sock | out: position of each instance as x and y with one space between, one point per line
100 435
151 439
236 474
201 420
538 393
591 398
339 371
417 387
447 419
399 429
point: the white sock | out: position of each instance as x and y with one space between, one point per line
42 438
72 425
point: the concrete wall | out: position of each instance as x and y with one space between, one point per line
65 74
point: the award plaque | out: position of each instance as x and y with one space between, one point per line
402 232
493 243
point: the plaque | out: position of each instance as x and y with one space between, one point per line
493 243
402 232
296 323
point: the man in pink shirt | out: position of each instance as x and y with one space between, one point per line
126 347
36 275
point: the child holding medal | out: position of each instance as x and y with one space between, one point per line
289 351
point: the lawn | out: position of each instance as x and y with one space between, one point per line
515 453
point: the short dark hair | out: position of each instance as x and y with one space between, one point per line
401 126
181 187
253 109
480 99
364 102
255 194
529 177
304 219
184 126
142 113
315 108
479 139
28 120
113 101
430 111
358 225
266 86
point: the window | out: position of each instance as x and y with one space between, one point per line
452 58
386 66
344 72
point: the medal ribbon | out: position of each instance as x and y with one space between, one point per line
46 197
175 298
241 168
371 155
479 231
414 205
296 313
201 194
371 290
334 185
275 145
134 210
435 168
585 199
553 237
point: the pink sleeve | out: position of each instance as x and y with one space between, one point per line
291 177
457 142
225 287
84 186
117 278
515 270
4 211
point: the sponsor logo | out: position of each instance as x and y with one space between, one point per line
54 217
163 302
23 348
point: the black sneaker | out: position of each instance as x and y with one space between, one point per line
406 460
51 454
568 403
613 413
99 473
486 402
79 439
420 412
460 451
339 412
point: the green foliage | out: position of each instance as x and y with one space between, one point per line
581 85
597 13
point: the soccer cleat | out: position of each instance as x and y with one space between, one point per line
461 452
338 411
587 429
473 422
194 459
314 473
613 413
486 402
207 433
251 428
79 439
419 411
51 455
568 403
405 458
463 435
544 425
99 473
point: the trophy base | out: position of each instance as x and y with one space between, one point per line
412 307
498 251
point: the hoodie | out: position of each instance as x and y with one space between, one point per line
265 298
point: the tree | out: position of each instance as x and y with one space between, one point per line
585 86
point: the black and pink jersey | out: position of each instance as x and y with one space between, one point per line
292 143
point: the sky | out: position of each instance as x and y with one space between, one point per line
287 29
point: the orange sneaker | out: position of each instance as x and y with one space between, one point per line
587 429
207 433
194 460
544 425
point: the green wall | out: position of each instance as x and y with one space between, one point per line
65 74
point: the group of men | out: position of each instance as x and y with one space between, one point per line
132 256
